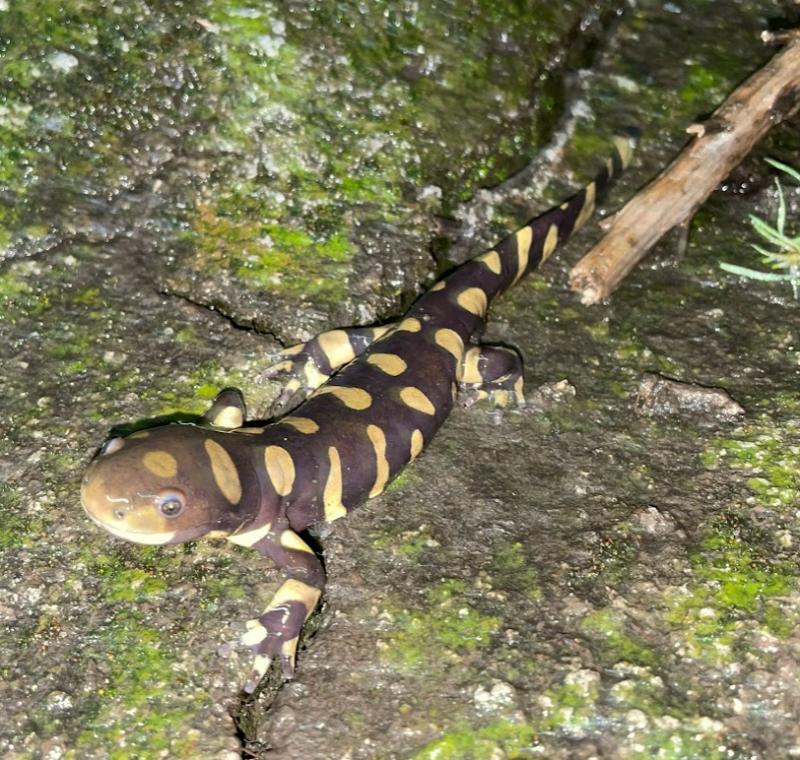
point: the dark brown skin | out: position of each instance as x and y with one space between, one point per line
378 395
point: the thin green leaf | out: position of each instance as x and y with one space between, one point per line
768 232
754 274
778 259
781 220
793 173
765 253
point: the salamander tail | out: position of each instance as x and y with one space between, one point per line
525 249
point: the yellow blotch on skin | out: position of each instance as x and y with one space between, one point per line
410 324
249 430
624 148
469 371
301 424
336 346
519 390
314 378
550 242
500 398
293 590
290 540
378 440
229 417
588 205
524 237
417 444
280 468
473 300
451 341
391 364
352 398
250 537
332 495
492 261
140 434
284 366
441 285
381 330
417 400
161 463
224 471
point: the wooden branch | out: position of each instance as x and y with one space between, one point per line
766 98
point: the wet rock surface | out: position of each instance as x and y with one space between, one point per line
579 581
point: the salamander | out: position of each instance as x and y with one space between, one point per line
371 399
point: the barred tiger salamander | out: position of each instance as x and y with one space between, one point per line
373 399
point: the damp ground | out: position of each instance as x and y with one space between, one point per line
188 186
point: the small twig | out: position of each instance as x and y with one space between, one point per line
766 98
780 38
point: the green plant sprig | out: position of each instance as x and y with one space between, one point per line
786 249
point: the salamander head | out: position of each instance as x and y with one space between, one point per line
172 483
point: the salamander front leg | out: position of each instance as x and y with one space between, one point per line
276 631
308 365
493 373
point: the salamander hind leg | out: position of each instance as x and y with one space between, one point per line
308 365
275 633
492 373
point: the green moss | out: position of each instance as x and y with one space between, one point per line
135 712
407 478
704 86
681 743
410 544
333 147
571 706
206 391
19 528
12 287
447 630
502 738
140 674
734 583
599 331
81 85
768 453
134 585
640 690
269 255
512 570
186 336
616 644
21 292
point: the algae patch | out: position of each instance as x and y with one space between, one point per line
616 643
768 454
502 738
449 630
738 581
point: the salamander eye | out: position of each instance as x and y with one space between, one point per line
171 503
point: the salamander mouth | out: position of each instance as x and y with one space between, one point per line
152 537
134 536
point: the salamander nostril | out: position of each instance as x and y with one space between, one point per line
119 513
